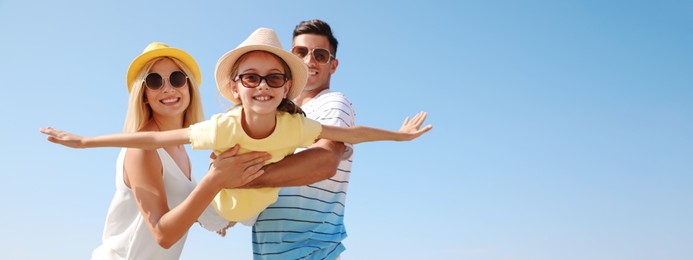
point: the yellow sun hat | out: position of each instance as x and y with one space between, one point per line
159 49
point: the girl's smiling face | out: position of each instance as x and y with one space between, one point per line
263 99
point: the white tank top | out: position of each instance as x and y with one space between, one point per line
126 235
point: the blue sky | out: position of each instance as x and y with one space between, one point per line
562 129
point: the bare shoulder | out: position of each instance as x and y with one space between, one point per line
142 162
134 154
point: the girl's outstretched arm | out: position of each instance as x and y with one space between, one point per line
142 140
358 134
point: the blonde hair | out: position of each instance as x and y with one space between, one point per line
286 105
139 113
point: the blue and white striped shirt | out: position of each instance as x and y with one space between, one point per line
307 222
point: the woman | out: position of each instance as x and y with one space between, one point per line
157 199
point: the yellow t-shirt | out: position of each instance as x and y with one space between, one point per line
225 130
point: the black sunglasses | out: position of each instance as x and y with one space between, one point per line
154 81
252 80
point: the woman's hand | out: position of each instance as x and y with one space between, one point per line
234 171
62 137
222 232
411 127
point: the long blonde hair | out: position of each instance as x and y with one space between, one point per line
139 113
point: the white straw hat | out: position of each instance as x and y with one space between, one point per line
262 39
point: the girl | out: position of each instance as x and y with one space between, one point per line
157 199
262 79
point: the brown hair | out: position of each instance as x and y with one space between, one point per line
318 27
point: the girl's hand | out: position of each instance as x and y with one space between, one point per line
410 128
237 170
62 137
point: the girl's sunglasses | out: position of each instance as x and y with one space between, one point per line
154 81
252 80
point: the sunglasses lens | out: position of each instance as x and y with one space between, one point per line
154 81
250 80
275 80
177 79
321 55
301 52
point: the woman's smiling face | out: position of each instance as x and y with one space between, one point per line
168 101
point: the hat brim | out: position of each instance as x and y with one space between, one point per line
139 62
299 70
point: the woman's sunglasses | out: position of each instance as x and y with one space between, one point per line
154 81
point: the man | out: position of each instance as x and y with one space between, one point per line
306 222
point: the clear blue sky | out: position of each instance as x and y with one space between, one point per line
562 129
